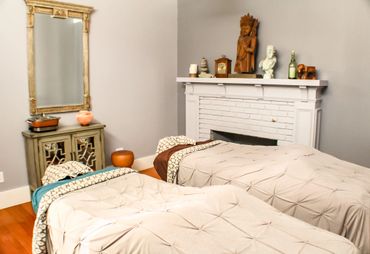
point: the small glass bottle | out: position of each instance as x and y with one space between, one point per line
292 71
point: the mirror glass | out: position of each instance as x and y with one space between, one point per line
58 61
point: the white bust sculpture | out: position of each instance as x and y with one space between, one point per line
268 64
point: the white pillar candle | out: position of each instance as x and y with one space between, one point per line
193 69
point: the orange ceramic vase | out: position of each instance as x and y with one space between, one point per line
84 117
122 158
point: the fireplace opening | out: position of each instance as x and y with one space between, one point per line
242 139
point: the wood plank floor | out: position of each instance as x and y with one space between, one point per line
16 225
151 172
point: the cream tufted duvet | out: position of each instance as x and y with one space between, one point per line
137 214
299 181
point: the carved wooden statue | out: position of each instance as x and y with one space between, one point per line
247 42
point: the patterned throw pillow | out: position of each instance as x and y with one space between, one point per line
169 142
71 169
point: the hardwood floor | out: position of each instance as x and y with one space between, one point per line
151 172
16 225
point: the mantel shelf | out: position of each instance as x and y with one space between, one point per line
262 82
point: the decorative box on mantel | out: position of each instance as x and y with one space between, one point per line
285 110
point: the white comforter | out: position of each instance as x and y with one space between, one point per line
300 181
138 214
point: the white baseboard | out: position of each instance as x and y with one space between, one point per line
144 162
15 197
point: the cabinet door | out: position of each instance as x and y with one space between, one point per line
86 148
54 151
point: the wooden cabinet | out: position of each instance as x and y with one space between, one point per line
83 144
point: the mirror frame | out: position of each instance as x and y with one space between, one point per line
57 10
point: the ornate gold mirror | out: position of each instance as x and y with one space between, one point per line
58 56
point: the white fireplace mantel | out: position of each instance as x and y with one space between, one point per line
265 82
286 110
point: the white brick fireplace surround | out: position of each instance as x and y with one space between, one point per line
285 110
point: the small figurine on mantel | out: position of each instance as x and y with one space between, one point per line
247 42
204 71
306 72
268 64
203 65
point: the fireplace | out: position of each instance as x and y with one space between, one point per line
287 111
242 139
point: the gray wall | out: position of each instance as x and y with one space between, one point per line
133 50
333 35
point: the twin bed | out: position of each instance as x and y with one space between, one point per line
297 180
121 211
